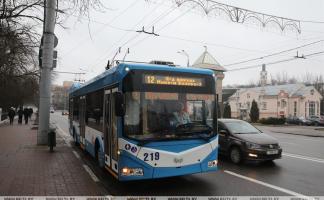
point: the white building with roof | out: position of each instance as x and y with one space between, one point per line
276 101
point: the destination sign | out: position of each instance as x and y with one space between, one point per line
174 80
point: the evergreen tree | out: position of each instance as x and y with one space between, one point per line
227 111
254 113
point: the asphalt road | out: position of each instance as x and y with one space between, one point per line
299 172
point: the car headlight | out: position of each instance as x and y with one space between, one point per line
252 145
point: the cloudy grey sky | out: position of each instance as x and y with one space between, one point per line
86 46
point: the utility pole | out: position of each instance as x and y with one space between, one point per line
45 78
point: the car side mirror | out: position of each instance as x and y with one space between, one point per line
119 104
222 132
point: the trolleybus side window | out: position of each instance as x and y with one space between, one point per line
94 112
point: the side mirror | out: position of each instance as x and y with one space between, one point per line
222 132
119 104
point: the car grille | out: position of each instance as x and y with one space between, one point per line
270 146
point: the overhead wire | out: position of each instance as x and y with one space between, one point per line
274 62
157 19
102 28
113 46
163 27
273 54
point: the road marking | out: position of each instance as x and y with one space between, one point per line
266 184
92 175
76 155
319 160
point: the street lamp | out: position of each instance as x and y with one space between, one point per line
183 52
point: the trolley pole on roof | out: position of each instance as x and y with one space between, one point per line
46 70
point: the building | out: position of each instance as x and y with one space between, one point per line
206 60
60 95
276 101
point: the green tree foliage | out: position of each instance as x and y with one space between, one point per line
254 113
227 111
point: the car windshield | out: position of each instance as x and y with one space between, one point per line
241 127
165 116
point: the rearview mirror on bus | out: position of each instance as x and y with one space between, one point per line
119 104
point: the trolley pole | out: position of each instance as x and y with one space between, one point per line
45 77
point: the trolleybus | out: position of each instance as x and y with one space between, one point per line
147 121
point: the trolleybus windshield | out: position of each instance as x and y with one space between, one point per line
156 116
168 105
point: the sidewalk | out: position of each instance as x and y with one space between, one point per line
30 170
310 131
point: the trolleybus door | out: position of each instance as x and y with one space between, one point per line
82 110
110 137
114 135
107 123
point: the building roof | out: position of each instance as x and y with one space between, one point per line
273 90
206 60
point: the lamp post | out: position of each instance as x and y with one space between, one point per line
183 52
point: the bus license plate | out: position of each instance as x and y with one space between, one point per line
272 152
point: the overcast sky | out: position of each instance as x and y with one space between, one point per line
86 46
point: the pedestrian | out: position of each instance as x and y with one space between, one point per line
11 115
26 115
30 111
20 115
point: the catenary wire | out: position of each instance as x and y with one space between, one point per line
102 28
160 17
273 54
274 62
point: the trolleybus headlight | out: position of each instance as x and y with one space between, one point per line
126 69
212 163
132 171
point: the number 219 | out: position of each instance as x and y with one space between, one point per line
151 156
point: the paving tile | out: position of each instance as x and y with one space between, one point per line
29 169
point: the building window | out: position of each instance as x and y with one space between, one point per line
305 109
278 104
248 105
312 92
264 105
311 108
248 95
240 105
318 108
295 108
283 103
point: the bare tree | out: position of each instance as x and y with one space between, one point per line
20 35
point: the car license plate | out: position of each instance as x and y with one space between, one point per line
272 152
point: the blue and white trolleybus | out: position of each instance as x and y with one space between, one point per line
147 121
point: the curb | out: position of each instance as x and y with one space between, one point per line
320 136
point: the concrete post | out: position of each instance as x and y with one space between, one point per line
45 79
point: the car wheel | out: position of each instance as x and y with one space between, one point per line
236 155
